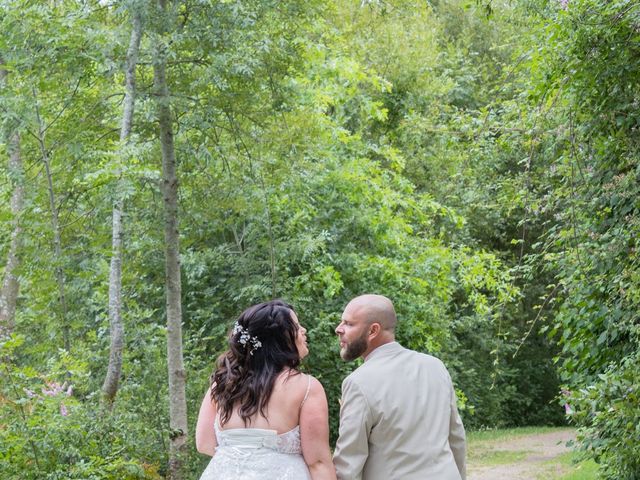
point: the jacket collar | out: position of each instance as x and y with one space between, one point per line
387 349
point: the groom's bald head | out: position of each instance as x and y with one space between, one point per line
374 309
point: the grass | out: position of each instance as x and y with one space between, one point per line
585 470
482 452
498 457
506 433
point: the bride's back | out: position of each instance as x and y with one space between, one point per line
283 409
256 385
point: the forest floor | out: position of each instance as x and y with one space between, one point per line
524 454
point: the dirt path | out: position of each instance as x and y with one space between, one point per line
523 458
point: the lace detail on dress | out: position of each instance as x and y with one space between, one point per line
289 442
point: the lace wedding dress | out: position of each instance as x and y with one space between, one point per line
257 454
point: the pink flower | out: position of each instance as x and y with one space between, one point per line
63 410
54 388
30 393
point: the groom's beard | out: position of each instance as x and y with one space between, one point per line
353 350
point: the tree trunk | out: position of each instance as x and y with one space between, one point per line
10 283
55 225
116 325
177 396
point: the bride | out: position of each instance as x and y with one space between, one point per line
262 418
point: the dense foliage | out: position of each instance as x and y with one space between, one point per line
476 162
593 67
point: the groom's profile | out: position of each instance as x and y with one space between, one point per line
398 414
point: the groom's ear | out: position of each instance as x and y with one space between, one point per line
374 329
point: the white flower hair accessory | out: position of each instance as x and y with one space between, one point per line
246 338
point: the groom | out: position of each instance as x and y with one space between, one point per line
398 418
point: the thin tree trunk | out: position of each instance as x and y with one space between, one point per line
10 283
55 225
116 325
177 395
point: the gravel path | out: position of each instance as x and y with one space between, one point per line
540 449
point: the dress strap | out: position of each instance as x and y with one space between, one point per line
306 394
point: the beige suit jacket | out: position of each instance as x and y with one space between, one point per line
399 420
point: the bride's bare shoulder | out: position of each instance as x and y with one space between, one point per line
292 383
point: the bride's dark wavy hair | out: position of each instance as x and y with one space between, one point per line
245 375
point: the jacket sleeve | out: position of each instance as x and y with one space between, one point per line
352 447
457 440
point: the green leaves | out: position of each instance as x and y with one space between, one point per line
482 172
591 65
